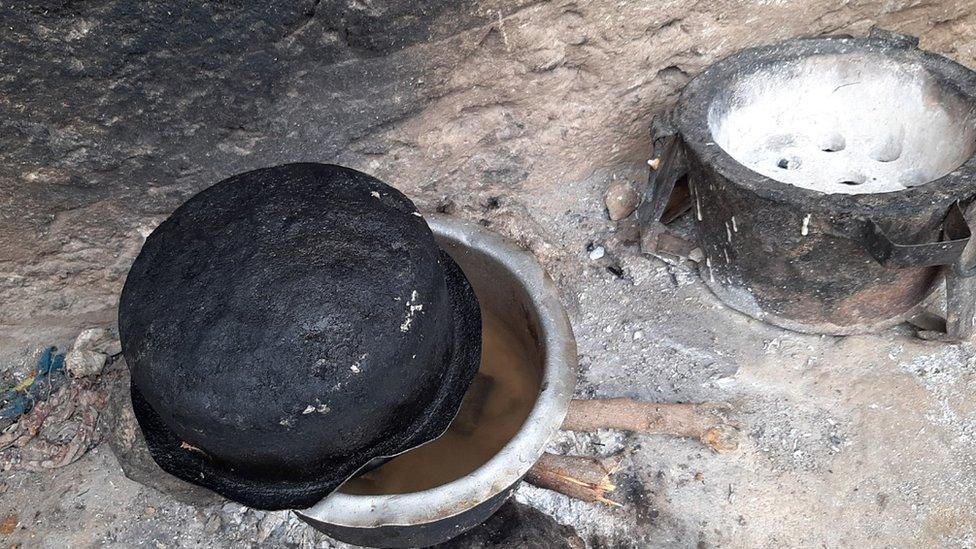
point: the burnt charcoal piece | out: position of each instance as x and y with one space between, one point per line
288 325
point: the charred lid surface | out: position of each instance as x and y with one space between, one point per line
289 324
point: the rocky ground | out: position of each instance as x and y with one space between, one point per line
518 114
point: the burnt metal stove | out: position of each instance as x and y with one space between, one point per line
829 180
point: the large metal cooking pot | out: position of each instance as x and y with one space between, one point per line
510 284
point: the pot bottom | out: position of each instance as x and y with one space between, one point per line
742 301
418 535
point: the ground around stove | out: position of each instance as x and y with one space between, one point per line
519 118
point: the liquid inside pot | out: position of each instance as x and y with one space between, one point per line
494 408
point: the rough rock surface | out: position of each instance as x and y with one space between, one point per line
516 114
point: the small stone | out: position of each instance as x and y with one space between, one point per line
696 255
597 253
638 335
621 200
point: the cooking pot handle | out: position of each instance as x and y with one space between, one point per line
931 254
667 165
961 286
957 253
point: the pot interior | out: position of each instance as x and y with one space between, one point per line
844 123
498 401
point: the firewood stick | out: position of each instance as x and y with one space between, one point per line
583 478
705 421
588 478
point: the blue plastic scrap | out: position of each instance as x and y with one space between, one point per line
17 401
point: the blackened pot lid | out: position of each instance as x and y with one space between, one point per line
288 325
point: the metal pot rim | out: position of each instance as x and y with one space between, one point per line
515 459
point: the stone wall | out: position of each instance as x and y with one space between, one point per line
113 113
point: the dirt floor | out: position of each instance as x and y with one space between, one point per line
515 114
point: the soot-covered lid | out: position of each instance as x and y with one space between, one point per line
288 325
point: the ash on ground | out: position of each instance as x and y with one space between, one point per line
515 114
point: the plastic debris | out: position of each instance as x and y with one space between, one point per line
91 350
19 399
